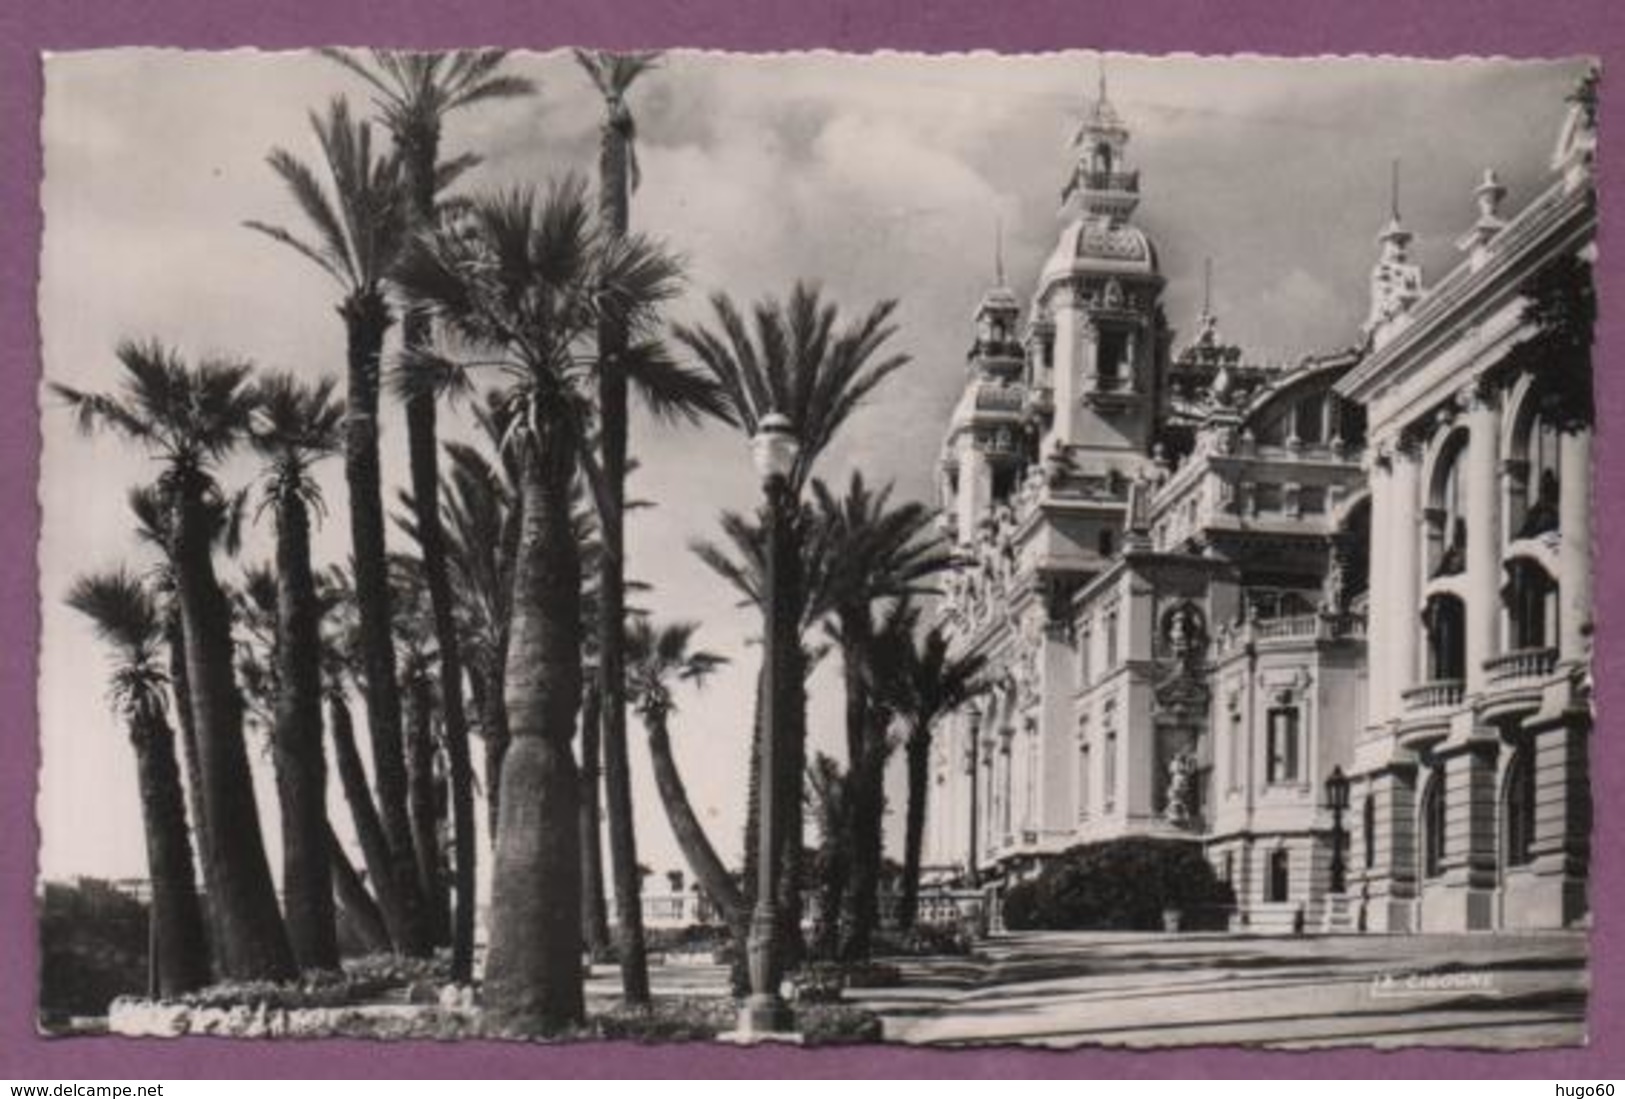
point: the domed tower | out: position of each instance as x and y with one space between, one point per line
986 444
1098 293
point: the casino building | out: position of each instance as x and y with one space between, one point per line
1207 584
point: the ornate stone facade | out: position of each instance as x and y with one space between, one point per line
1167 557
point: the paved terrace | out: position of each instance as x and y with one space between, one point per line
1085 988
1067 989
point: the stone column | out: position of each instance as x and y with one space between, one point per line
1483 537
1462 897
1398 551
1574 551
975 489
1380 599
1074 357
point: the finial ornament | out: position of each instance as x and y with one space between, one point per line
998 250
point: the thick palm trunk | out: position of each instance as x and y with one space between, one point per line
612 412
253 944
594 916
918 759
420 149
868 805
358 912
367 319
421 805
690 834
179 685
182 962
533 967
369 831
301 768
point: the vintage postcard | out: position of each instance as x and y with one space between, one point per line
1063 550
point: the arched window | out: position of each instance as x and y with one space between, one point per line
1537 482
1108 778
1520 807
1369 830
1433 825
1445 619
1085 768
1447 511
1280 882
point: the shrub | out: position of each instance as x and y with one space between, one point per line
823 982
1121 885
93 948
924 940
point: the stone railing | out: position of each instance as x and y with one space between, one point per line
1521 665
1297 627
1439 694
1110 181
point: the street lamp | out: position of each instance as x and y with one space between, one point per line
1337 796
774 449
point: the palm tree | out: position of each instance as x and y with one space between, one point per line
826 797
153 522
189 418
414 92
295 426
360 230
657 659
930 682
340 645
881 554
523 278
127 616
792 357
613 75
414 642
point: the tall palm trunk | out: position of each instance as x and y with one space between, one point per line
420 149
533 965
369 831
421 804
176 640
594 917
494 721
182 961
918 758
691 839
868 808
253 944
367 319
359 913
614 203
301 768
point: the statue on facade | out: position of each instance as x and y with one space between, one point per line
1181 788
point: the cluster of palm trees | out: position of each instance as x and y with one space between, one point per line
501 609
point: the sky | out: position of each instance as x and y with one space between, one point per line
878 176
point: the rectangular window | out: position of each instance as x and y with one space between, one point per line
1111 357
1086 641
1111 641
1108 778
1283 744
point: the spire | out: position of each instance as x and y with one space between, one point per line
1394 236
998 251
1207 325
1396 282
1105 186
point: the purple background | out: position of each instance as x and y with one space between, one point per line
1437 28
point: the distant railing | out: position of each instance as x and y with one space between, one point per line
1110 181
1432 696
1520 665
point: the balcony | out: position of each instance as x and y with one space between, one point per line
1115 391
1439 695
1520 667
1126 182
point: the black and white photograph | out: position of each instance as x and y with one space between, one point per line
1078 549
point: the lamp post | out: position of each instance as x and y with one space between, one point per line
1337 796
973 717
774 449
